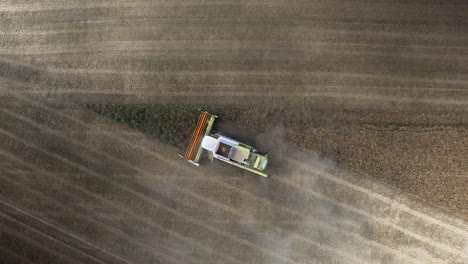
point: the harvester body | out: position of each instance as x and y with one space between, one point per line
223 148
227 149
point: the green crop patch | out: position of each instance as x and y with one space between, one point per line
171 123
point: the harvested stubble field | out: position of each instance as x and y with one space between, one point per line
364 102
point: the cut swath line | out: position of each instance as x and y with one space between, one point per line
376 219
314 91
267 88
298 74
312 33
33 242
285 73
145 4
24 213
131 48
190 45
392 203
103 225
270 94
113 4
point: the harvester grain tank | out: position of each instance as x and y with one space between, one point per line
220 147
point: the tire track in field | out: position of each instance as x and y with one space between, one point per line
11 65
251 64
363 13
153 154
380 98
218 90
377 219
319 88
110 4
89 244
252 9
213 203
381 38
63 5
301 51
102 224
20 8
43 234
262 73
382 198
32 241
303 75
418 25
235 95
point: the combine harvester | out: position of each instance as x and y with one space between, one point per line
223 148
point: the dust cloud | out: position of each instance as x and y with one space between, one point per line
343 216
320 221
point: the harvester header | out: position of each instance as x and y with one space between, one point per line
204 126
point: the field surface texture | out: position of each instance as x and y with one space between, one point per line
363 104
